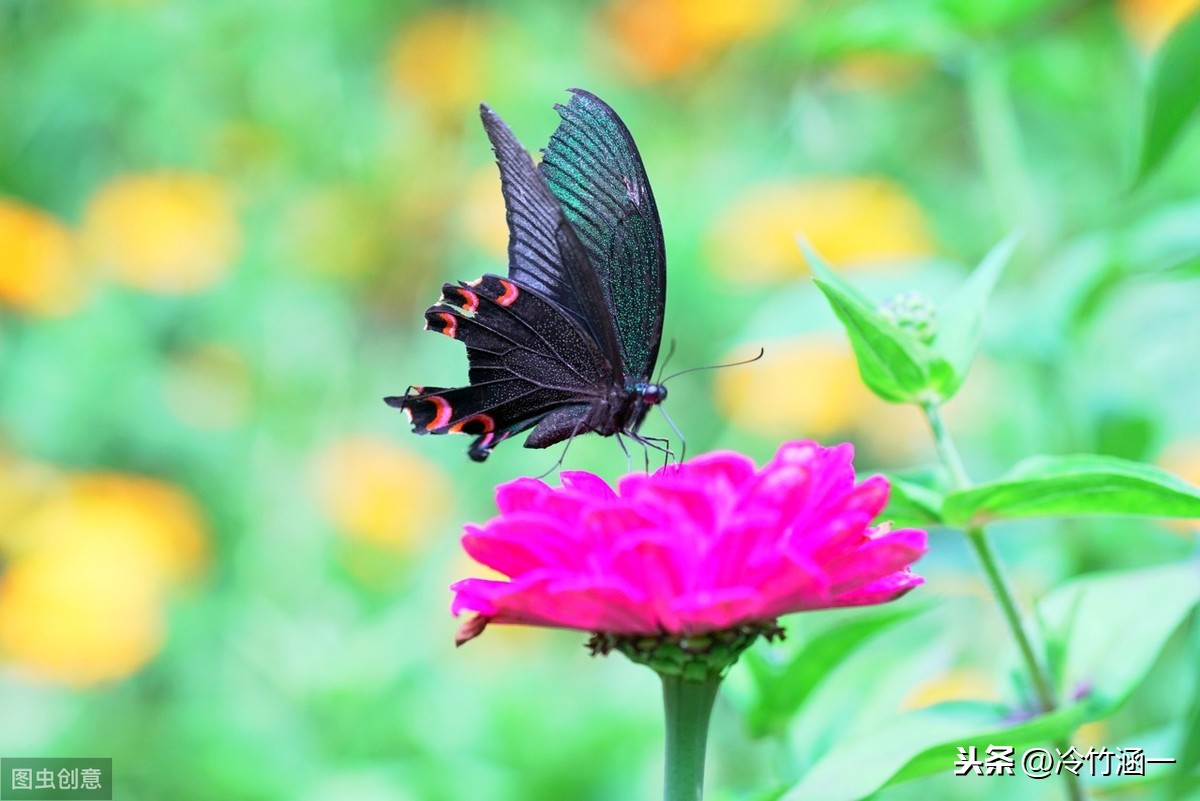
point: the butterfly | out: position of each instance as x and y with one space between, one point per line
567 342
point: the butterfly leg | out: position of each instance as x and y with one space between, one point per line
628 458
678 433
562 455
660 444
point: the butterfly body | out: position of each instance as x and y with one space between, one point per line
564 344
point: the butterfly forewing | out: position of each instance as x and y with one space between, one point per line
544 253
594 169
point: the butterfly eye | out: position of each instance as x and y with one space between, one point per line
654 394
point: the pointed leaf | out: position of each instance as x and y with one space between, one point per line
1173 95
1188 746
782 691
962 319
893 363
912 504
1109 628
925 742
1074 486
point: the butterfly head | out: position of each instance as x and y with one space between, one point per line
651 394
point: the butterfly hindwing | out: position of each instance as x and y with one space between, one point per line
595 171
526 359
510 328
491 411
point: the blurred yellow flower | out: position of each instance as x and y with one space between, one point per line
379 493
483 216
958 684
39 271
658 38
141 519
810 386
77 615
848 221
438 60
1182 458
1149 21
24 485
337 232
208 387
814 388
81 599
168 232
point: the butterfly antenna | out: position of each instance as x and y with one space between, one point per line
761 351
666 360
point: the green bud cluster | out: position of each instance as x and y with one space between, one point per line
913 312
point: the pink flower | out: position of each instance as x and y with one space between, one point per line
706 545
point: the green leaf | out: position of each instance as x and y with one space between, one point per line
1173 95
994 16
1188 747
925 742
1074 486
1178 779
783 690
1109 628
893 363
912 504
962 319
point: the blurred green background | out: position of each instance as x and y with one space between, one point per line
224 562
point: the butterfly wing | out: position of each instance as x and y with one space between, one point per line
544 253
595 171
565 328
527 360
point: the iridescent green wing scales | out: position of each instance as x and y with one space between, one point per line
593 167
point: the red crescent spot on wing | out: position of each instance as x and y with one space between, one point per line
510 293
470 299
443 412
451 324
489 424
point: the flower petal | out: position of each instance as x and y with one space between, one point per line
705 545
587 484
878 557
521 495
521 542
885 589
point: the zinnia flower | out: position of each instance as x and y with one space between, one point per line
709 545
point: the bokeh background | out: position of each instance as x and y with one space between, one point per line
224 562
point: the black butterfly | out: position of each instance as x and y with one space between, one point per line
567 343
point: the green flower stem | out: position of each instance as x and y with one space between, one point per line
982 546
688 705
946 448
1008 605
